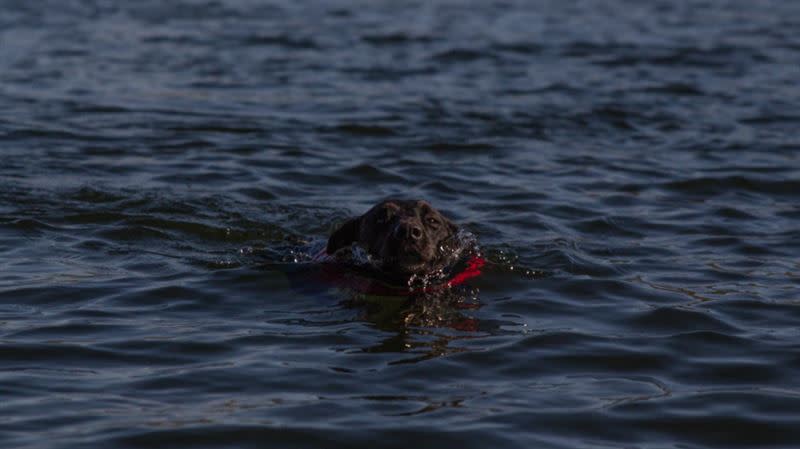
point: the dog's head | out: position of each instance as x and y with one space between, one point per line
403 235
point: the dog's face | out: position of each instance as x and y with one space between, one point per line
404 235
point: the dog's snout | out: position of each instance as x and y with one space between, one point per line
410 230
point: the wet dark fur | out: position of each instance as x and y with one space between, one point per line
405 236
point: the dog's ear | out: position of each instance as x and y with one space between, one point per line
344 236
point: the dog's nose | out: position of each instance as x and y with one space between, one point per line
409 230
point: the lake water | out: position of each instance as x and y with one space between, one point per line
630 169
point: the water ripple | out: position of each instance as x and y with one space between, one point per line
170 171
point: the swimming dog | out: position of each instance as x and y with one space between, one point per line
403 237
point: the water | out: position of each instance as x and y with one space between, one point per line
630 169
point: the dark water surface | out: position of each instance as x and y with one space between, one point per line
631 170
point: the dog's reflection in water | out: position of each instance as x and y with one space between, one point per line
425 324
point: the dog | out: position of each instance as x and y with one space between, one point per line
404 237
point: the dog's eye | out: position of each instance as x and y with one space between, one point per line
433 222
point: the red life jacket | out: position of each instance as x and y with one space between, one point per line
337 274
